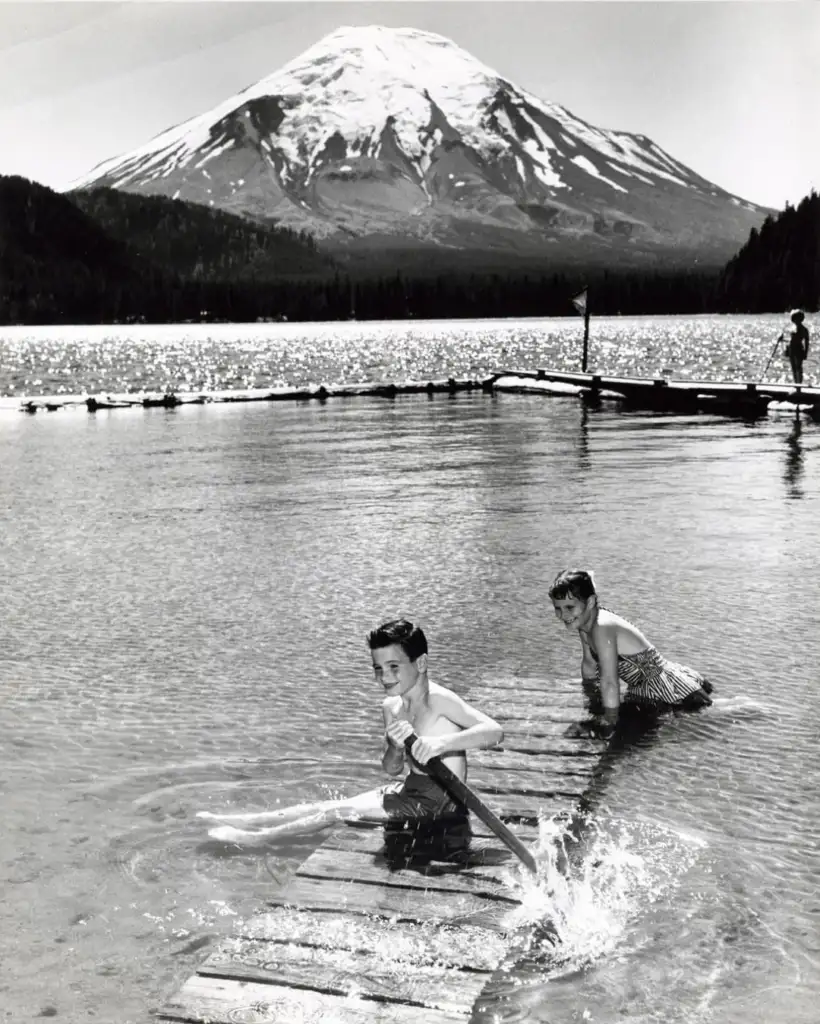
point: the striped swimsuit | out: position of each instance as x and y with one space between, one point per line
652 680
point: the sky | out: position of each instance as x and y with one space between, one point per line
730 88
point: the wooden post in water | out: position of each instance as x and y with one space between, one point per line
586 341
581 303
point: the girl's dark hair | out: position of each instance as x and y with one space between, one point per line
409 637
577 582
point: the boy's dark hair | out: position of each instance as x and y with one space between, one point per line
577 582
409 637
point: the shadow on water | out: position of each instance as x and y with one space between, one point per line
794 468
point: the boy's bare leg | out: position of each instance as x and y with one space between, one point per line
278 817
307 818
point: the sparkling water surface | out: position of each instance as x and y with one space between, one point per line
185 595
200 357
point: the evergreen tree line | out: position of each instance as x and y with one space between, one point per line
198 243
779 266
108 256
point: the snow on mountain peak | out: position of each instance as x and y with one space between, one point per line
381 129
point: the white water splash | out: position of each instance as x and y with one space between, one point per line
588 891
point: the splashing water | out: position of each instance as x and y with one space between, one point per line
595 876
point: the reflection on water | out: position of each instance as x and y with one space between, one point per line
185 598
794 460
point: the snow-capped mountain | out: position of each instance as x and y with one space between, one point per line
400 137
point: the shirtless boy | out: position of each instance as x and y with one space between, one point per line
446 726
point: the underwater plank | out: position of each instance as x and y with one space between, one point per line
344 865
500 700
542 717
371 838
544 784
526 684
428 943
513 760
522 728
206 1000
553 746
378 974
386 901
527 806
483 851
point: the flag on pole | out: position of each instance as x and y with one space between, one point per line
580 301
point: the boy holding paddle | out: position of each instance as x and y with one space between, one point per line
446 727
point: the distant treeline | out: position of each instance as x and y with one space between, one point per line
779 267
197 243
105 256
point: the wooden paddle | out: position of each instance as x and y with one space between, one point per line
771 357
462 792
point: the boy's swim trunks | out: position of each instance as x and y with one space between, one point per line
421 798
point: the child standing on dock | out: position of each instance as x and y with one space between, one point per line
446 727
615 651
797 346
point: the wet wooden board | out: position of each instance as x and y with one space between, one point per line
523 729
513 684
551 789
484 857
553 746
228 1001
430 943
401 902
501 701
378 974
353 937
360 865
521 761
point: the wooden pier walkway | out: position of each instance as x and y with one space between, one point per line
358 937
734 398
659 394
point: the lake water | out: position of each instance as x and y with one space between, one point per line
185 596
185 357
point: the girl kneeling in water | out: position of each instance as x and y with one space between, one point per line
613 651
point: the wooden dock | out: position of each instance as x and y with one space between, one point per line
360 936
659 394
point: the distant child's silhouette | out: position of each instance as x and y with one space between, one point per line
797 345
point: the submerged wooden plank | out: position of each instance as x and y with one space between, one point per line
484 850
386 901
355 865
525 685
536 716
430 942
526 805
554 746
523 761
524 694
501 699
208 1000
556 787
378 974
526 833
516 729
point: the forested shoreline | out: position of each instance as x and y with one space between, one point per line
111 257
